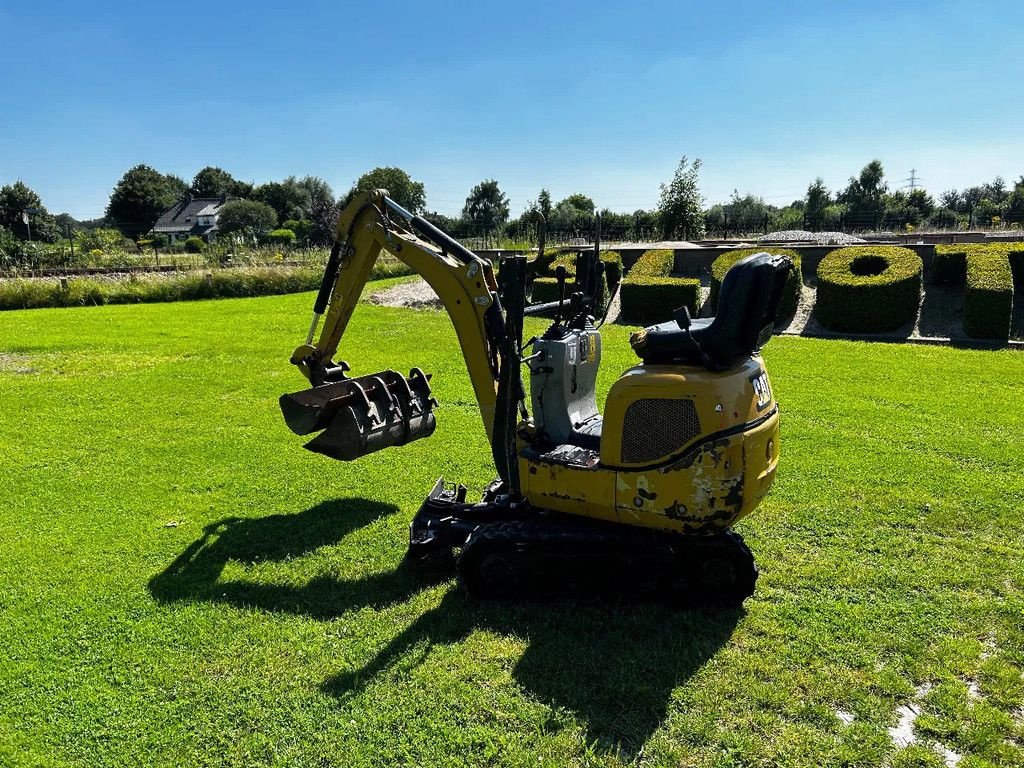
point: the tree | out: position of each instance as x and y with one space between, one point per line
944 218
898 212
863 197
818 199
17 199
680 207
65 223
139 198
448 224
1015 203
573 216
486 207
544 203
8 245
323 211
580 202
289 198
212 181
953 200
249 218
922 201
301 228
409 194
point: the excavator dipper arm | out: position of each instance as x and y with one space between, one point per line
363 414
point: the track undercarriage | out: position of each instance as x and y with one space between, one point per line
507 549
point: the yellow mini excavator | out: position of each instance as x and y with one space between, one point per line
642 496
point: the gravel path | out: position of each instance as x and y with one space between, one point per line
417 294
803 236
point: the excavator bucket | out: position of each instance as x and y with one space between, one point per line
362 415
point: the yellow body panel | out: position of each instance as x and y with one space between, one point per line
707 477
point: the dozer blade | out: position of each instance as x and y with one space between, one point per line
362 415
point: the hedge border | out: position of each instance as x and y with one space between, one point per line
650 294
868 303
544 287
986 272
794 281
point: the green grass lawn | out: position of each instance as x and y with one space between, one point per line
182 584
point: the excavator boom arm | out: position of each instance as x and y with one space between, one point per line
372 222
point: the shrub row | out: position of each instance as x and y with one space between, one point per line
868 290
986 270
794 282
650 294
545 286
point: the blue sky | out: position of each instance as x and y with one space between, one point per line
601 98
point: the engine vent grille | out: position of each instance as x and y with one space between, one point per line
657 427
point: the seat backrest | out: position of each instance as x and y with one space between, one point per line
748 305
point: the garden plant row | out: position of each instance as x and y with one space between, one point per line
861 289
986 272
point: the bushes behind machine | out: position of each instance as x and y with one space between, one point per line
986 271
650 294
545 286
868 290
794 282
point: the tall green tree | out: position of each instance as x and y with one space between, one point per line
212 181
487 207
15 200
249 218
138 199
864 197
817 200
544 203
409 194
680 208
323 210
1015 203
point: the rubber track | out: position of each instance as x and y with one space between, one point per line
547 559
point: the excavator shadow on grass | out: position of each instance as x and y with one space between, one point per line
614 665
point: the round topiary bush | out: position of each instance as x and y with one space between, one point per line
194 245
868 289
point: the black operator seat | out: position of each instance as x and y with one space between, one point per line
748 304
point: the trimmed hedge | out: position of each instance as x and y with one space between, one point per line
868 289
794 282
649 292
986 271
545 289
545 286
949 265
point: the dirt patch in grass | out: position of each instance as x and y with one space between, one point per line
415 294
15 363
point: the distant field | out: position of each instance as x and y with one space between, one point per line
182 584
